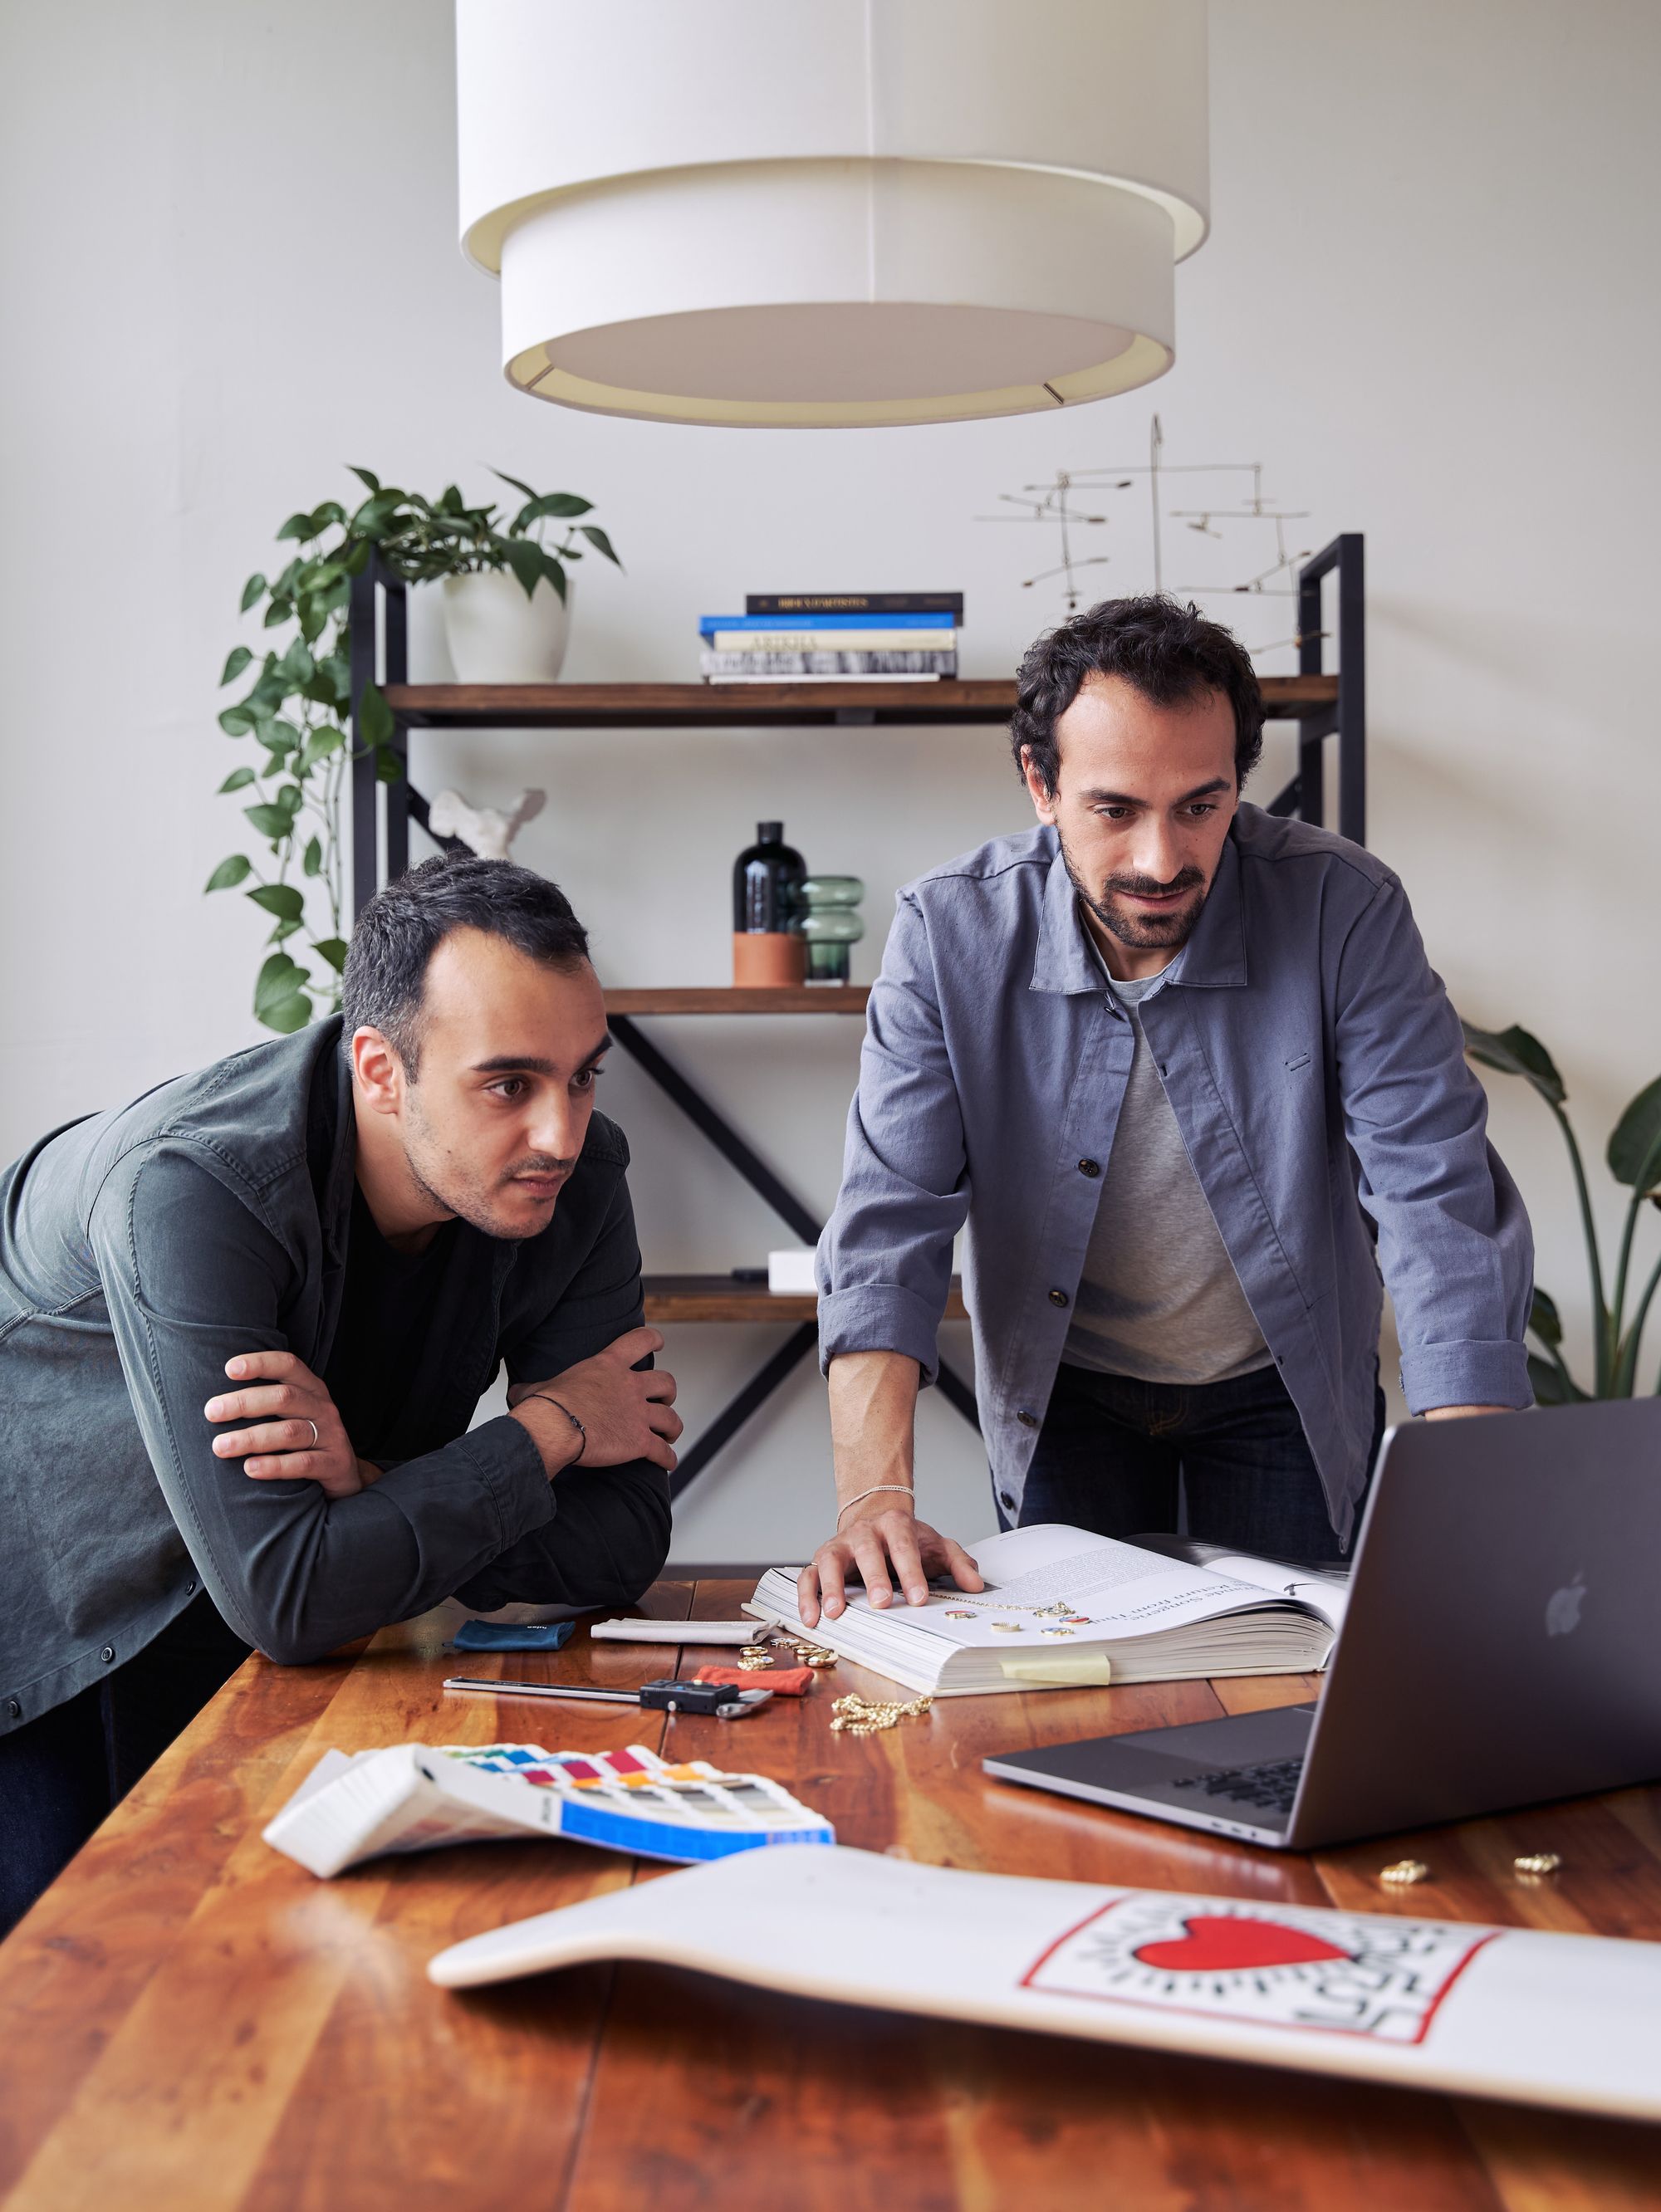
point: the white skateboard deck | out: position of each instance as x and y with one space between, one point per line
1568 2020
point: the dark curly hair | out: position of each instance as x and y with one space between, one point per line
404 925
1169 652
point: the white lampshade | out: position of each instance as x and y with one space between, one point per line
800 212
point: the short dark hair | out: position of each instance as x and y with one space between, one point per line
1172 653
403 925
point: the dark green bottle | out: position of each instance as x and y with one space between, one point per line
765 877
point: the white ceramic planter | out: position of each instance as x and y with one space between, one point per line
497 635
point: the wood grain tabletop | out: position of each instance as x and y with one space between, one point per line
188 2020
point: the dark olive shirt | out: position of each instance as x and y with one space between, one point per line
140 1250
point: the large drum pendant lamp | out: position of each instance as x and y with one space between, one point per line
825 212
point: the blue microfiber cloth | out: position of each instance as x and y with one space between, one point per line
505 1635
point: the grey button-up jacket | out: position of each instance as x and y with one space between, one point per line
1315 1068
141 1248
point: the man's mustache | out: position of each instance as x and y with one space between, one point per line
539 1164
1186 879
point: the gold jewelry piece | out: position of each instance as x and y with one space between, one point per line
1402 1873
860 1496
1537 1862
811 1655
857 1715
755 1656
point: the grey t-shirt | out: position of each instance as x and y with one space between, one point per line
1159 1297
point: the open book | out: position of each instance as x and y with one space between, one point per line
1062 1608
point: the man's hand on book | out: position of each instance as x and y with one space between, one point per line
868 1549
297 1434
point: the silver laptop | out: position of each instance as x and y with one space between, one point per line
1499 1647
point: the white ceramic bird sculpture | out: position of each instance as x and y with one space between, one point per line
485 831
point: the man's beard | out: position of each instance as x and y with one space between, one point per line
466 1196
1142 933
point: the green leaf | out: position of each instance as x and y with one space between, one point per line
312 615
273 822
252 590
331 511
238 780
374 717
291 797
562 503
333 950
279 977
236 661
517 484
283 929
525 558
228 873
555 573
297 525
236 721
1544 1320
366 477
312 862
280 610
597 538
320 744
297 664
281 899
288 1015
388 768
279 739
1553 1386
1634 1152
1514 1052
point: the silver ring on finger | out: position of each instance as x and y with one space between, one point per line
312 1426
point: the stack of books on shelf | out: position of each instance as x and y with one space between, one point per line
834 637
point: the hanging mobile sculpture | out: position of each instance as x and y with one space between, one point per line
1078 501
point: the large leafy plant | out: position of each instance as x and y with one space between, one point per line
297 708
1633 1154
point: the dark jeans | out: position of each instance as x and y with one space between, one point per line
1226 1462
61 1774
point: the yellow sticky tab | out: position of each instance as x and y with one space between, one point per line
1080 1670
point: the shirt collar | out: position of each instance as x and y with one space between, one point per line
1214 958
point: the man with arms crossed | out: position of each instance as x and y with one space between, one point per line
246 1321
1179 1065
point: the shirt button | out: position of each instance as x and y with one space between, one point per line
107 1654
1027 1420
190 1587
1006 1498
15 1705
1090 1167
1058 1297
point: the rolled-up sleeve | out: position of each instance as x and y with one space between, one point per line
1454 1241
885 1260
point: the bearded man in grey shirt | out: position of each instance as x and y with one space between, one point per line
1181 1070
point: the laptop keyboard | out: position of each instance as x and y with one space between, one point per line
1273 1785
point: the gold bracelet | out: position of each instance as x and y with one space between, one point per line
905 1488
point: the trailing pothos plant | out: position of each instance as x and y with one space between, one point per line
1633 1154
298 707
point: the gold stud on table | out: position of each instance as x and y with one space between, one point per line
1402 1873
1532 1865
753 1657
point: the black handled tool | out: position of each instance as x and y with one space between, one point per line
720 1698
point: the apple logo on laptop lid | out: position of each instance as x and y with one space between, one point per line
1563 1606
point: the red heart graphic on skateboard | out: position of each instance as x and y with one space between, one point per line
1218 1944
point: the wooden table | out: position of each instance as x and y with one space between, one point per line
189 2021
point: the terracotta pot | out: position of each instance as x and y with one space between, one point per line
768 959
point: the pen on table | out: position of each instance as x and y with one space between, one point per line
726 1703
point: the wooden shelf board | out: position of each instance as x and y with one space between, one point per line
747 706
718 1298
724 998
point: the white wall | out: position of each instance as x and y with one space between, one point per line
1428 304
